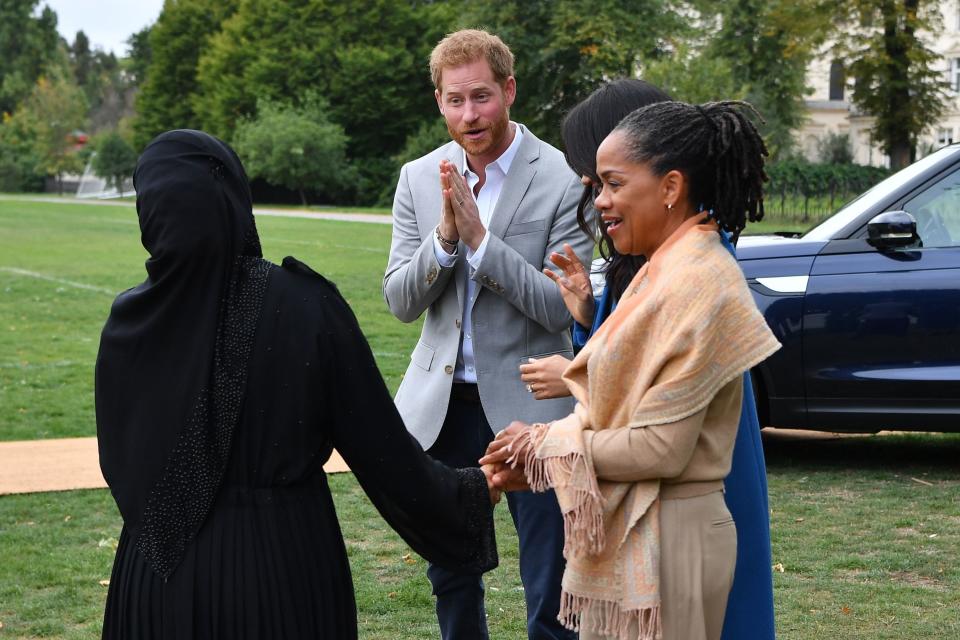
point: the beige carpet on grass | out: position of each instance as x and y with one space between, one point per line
70 463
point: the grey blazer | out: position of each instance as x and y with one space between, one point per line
517 312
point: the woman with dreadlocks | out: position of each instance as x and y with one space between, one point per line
638 467
750 613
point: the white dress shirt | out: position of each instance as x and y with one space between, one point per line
496 174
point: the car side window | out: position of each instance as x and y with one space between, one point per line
937 211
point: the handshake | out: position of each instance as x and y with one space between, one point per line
503 462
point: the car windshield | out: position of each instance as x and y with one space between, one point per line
829 227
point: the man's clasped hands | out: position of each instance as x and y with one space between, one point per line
503 462
460 218
460 221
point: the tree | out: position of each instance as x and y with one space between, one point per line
896 79
176 42
834 148
768 45
114 160
295 147
140 55
564 49
429 135
18 156
28 44
369 58
94 69
108 91
54 110
692 75
82 58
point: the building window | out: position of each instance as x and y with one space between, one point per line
944 137
837 80
954 78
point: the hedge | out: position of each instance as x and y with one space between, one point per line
798 188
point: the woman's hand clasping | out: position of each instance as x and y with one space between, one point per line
507 477
495 492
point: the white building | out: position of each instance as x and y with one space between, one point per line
828 110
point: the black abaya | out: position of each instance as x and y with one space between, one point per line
268 559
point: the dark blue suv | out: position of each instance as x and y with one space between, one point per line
867 306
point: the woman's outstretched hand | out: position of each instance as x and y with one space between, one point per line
495 492
574 283
543 377
508 477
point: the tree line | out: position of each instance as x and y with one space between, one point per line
327 99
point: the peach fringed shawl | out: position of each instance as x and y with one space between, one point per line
685 327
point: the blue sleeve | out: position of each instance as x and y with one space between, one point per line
580 334
601 310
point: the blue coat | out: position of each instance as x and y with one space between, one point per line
750 606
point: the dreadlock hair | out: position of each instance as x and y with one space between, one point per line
583 129
715 145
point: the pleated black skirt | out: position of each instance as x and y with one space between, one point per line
268 563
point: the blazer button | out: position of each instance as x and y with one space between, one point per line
448 369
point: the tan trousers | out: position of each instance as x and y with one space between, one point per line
698 553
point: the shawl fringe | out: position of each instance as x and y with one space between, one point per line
608 618
583 529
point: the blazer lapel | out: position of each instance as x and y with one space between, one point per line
522 171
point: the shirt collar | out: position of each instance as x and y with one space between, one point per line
506 158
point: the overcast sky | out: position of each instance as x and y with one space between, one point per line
108 23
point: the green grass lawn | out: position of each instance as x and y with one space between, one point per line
61 266
867 551
58 547
867 529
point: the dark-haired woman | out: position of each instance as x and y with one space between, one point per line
750 614
583 129
222 384
638 468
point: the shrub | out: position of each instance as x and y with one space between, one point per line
799 188
296 147
834 148
115 159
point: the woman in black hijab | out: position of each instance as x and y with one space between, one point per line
223 383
